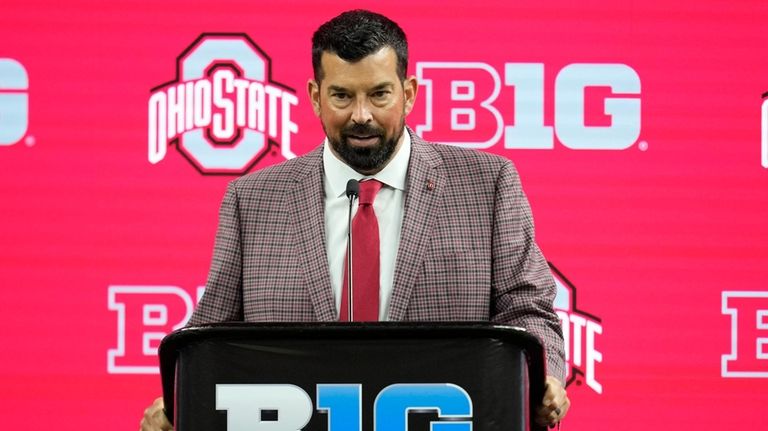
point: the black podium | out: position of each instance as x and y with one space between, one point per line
352 377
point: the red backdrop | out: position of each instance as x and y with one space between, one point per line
649 185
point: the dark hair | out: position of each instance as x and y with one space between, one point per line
356 34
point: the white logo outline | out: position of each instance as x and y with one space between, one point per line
733 355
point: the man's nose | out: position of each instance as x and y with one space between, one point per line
361 113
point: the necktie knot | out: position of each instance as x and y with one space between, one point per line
368 191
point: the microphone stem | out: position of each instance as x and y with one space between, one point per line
349 262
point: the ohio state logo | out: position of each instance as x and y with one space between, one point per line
223 111
580 332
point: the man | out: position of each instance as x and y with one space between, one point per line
455 227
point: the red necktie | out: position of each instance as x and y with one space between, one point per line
365 259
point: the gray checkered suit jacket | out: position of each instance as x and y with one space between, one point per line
467 250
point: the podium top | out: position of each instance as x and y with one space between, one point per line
332 330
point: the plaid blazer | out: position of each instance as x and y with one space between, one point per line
467 250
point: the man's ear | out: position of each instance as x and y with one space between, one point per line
313 90
410 88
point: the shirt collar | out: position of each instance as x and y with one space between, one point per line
337 173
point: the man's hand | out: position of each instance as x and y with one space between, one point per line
555 404
154 418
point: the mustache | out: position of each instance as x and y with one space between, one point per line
363 129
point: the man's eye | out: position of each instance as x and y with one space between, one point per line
340 96
380 94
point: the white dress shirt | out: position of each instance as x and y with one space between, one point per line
388 207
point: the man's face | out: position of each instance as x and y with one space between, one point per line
362 107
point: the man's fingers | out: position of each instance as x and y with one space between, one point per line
554 404
564 405
560 400
154 417
547 415
550 416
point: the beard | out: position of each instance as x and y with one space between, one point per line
366 159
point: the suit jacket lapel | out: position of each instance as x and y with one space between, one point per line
424 187
306 204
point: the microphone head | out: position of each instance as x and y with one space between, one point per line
353 188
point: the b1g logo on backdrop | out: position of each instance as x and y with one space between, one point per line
748 355
580 331
596 106
14 101
223 112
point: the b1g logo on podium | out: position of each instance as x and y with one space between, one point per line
223 111
580 333
285 407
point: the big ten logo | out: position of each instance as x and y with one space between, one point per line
284 407
224 112
145 314
580 333
14 101
748 356
596 106
764 131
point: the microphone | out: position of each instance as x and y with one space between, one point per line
353 189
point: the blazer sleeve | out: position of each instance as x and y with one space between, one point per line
222 300
523 287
